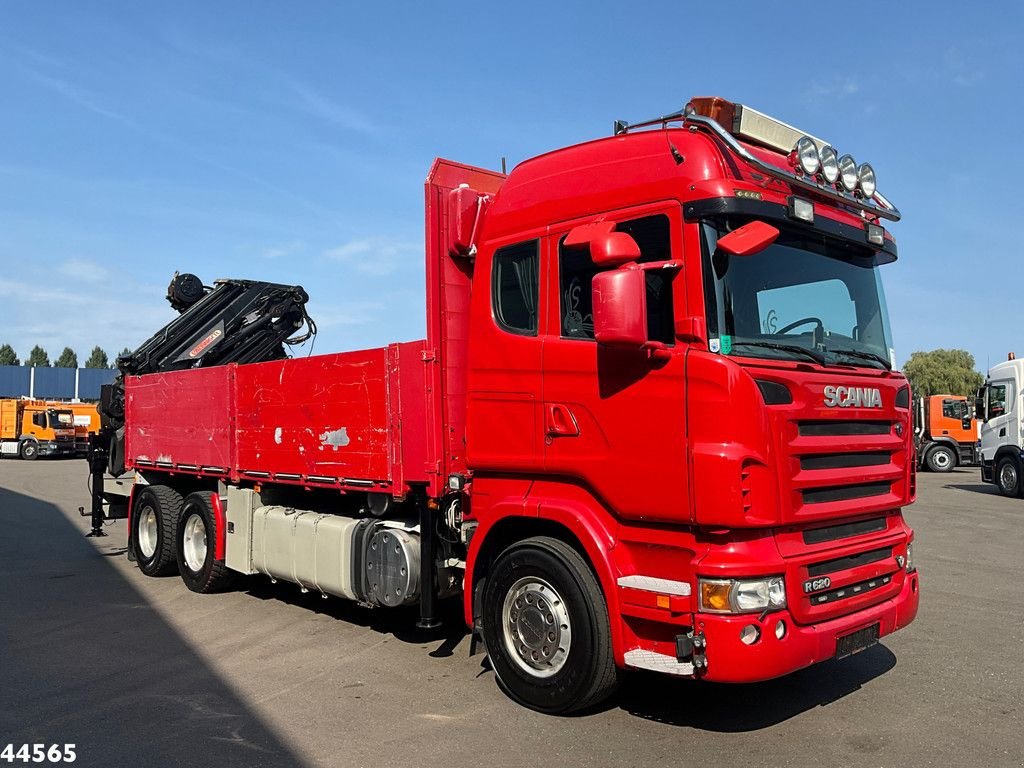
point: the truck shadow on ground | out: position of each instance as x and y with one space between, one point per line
973 487
87 660
722 708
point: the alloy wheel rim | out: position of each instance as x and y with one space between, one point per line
536 627
147 532
1008 477
194 543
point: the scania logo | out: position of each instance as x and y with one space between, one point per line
852 397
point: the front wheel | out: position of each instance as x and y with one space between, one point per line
1008 478
30 450
197 534
546 627
941 459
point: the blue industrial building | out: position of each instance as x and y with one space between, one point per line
54 383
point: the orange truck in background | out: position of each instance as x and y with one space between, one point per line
87 422
945 432
33 428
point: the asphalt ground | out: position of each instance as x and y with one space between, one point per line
142 672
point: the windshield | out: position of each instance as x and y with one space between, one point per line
805 297
61 419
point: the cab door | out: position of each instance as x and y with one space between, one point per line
614 420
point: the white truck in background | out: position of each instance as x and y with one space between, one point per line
1000 408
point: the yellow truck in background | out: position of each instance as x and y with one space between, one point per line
33 428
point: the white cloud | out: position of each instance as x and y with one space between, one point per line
284 249
82 270
839 86
377 256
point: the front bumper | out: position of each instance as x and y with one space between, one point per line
729 660
51 448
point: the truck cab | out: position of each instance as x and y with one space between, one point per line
945 432
29 429
1000 408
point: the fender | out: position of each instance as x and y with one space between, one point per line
582 520
220 545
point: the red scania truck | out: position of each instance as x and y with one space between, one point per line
654 424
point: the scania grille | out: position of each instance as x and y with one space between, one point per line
852 590
843 467
845 492
844 530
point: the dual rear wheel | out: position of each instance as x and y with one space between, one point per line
176 534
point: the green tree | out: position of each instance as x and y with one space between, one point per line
38 358
67 359
8 356
97 359
943 371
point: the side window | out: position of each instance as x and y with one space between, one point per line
997 400
515 287
576 271
954 409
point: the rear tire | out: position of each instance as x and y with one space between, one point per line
1008 479
196 542
29 450
545 625
154 521
941 458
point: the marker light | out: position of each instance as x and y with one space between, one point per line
866 177
807 155
848 172
829 164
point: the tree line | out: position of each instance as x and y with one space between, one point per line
39 358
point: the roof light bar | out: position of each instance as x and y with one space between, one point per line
814 163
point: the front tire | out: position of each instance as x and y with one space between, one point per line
196 537
546 628
941 459
154 519
1008 479
30 450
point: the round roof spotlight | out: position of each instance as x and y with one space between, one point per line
848 172
807 156
829 164
866 176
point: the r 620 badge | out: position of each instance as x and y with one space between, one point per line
814 585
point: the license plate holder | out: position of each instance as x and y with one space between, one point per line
855 642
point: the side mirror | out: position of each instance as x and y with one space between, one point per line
620 308
966 423
979 405
466 208
608 248
749 239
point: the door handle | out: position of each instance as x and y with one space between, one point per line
559 421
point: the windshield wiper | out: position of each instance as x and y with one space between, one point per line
863 356
815 356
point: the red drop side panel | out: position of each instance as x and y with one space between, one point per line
180 418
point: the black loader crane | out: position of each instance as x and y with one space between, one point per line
233 321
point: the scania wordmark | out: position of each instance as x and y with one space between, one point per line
654 423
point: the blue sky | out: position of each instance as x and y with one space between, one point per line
289 142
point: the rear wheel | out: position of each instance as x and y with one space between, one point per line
546 627
154 519
1008 478
941 459
196 540
30 450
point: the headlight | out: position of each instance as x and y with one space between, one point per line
742 595
848 172
866 177
807 155
910 558
829 164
